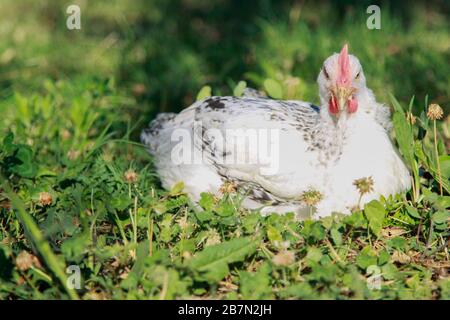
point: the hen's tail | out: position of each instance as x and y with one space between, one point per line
150 135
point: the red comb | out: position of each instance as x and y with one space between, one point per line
344 67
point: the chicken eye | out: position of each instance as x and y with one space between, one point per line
325 73
357 75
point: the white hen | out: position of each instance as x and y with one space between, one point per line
277 150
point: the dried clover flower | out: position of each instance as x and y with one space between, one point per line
364 185
435 112
284 258
45 198
65 134
73 154
227 187
130 176
25 261
311 197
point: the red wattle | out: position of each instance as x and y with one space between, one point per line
352 105
333 105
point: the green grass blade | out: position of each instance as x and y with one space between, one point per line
37 238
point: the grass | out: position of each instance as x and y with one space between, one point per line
77 189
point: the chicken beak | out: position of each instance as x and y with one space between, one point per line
342 94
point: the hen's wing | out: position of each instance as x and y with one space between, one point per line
249 139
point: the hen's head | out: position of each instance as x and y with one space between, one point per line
340 81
